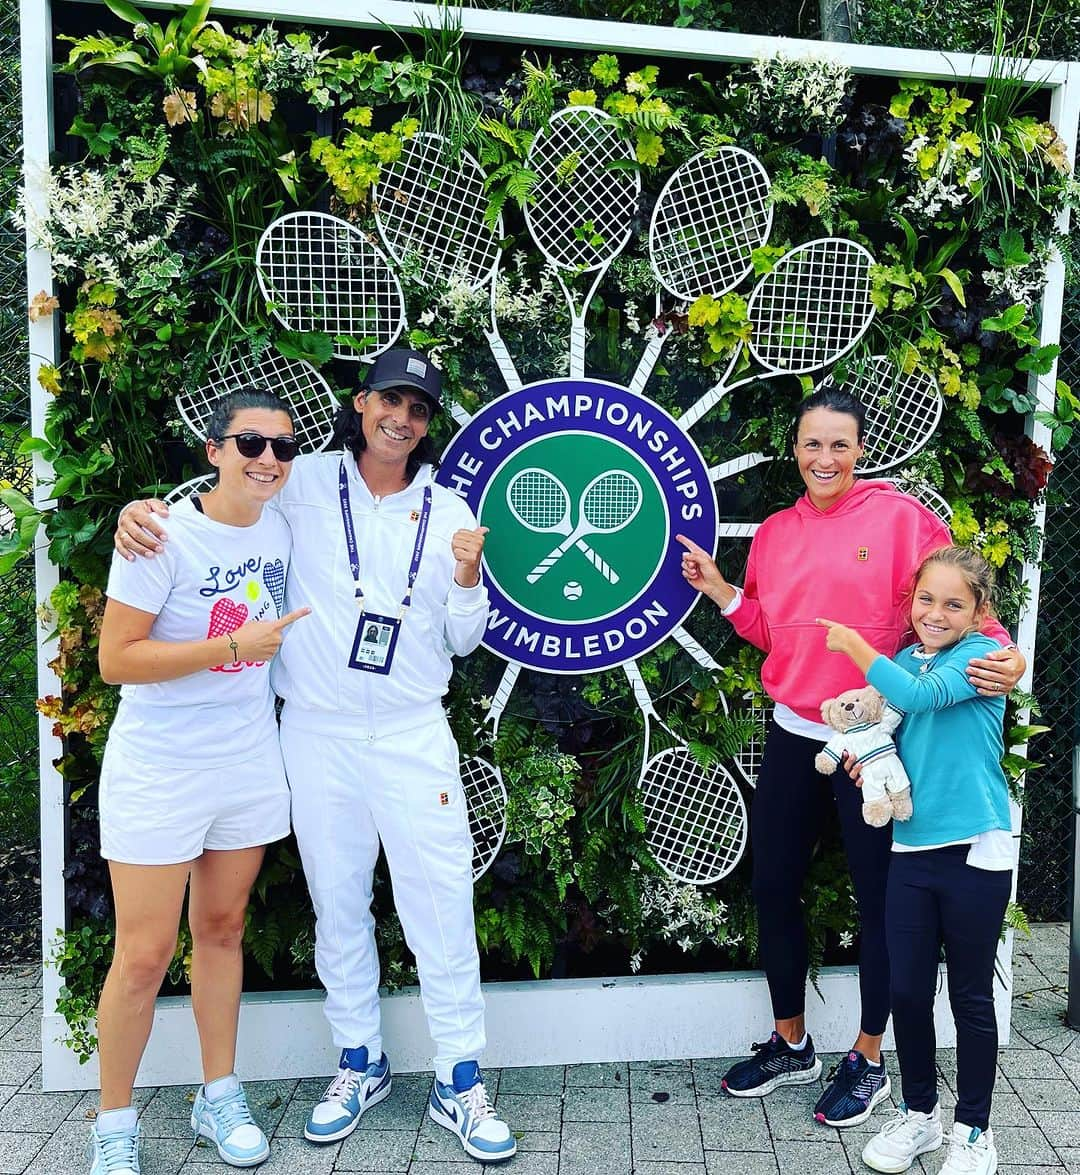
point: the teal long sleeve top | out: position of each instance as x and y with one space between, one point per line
950 742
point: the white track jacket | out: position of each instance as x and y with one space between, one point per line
312 672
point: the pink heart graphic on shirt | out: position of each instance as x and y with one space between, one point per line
226 616
274 577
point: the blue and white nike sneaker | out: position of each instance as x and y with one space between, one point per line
463 1108
227 1122
115 1153
357 1087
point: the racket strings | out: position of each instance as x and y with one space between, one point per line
695 821
485 801
581 207
922 492
432 208
708 222
816 308
749 756
903 410
294 381
611 501
538 499
323 275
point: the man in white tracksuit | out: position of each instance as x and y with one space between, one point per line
389 564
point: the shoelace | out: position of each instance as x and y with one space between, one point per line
231 1112
962 1154
476 1098
344 1085
771 1045
119 1151
903 1125
848 1066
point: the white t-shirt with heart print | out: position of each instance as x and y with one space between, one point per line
210 579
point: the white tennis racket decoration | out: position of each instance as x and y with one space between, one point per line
314 405
581 210
485 792
319 273
903 410
806 313
748 759
712 214
429 208
608 503
923 492
695 819
202 484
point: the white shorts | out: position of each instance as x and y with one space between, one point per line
153 815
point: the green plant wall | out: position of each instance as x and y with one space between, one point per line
180 144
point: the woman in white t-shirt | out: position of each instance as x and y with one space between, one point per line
192 784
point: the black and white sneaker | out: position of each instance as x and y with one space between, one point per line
855 1086
774 1063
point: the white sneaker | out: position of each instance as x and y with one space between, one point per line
902 1139
971 1151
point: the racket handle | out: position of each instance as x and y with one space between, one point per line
647 364
577 346
704 659
736 465
605 569
503 361
545 565
737 530
460 415
502 693
698 409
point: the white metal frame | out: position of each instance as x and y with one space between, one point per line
283 1034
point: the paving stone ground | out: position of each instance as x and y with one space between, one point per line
638 1118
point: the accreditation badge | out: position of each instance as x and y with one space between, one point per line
374 643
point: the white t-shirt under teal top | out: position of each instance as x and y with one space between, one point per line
210 579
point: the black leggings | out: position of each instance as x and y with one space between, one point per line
789 804
936 897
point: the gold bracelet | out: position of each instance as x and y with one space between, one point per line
235 648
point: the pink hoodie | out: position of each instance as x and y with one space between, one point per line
852 563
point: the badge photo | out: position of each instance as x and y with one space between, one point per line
374 643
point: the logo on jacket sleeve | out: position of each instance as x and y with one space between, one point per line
863 554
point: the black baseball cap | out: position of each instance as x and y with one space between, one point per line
404 368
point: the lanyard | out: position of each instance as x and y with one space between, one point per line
354 554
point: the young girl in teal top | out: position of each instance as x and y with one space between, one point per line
951 871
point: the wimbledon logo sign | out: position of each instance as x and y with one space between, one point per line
584 486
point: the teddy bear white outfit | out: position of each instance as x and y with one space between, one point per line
864 723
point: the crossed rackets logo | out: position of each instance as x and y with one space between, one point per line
540 501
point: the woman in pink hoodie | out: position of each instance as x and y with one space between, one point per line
847 549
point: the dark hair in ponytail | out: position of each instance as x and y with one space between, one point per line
349 434
836 400
225 408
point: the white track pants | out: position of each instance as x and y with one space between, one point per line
405 790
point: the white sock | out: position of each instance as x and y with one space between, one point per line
221 1087
802 1043
124 1120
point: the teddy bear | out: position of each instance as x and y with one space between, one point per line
864 723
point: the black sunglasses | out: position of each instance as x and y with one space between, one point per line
253 444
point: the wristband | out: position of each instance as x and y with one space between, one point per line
235 648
